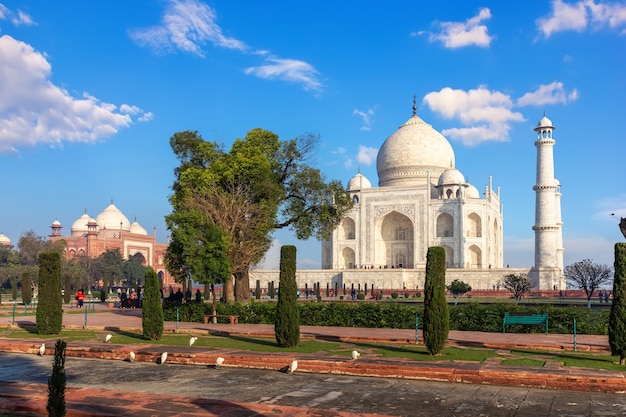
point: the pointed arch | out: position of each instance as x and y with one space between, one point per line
394 243
474 226
445 225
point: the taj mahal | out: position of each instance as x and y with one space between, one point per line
423 200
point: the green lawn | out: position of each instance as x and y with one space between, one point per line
514 357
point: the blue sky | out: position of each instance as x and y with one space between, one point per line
91 92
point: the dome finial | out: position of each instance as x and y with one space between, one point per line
414 105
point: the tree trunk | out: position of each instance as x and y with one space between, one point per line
214 311
228 292
242 286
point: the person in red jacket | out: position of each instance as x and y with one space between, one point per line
80 297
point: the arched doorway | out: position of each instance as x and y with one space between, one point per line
394 244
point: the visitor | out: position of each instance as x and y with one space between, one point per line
178 297
80 297
133 299
198 296
188 296
123 299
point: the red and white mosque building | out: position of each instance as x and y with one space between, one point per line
111 229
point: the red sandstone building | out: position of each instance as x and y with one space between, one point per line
111 229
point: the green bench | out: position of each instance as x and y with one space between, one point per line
526 319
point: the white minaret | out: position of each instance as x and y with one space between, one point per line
547 272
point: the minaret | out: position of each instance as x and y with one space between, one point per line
547 272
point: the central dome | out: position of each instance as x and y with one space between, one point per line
411 153
113 218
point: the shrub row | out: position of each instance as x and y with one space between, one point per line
467 317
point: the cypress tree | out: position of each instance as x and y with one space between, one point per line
287 325
56 382
50 305
14 289
436 314
257 290
105 289
67 287
152 311
27 291
617 317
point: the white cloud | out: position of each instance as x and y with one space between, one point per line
22 19
614 205
187 25
461 34
34 111
367 155
366 116
18 19
552 93
348 163
579 15
340 150
486 114
291 70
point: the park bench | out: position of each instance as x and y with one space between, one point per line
233 319
525 319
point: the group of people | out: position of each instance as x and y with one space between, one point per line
134 300
178 296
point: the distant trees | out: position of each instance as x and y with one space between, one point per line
617 317
588 276
49 314
436 313
517 284
458 288
287 325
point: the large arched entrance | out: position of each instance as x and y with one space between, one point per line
394 241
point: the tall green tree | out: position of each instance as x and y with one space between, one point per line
617 317
27 291
517 284
588 276
287 324
260 185
56 405
152 311
49 314
436 313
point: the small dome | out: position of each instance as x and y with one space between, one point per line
79 226
56 223
4 241
451 176
113 219
137 229
412 153
471 192
358 182
545 122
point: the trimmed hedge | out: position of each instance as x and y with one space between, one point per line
398 315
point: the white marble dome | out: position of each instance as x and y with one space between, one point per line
4 241
358 182
471 192
79 227
113 219
545 122
411 153
137 229
451 176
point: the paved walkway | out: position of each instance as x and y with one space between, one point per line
553 375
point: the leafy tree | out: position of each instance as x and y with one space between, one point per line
49 314
436 313
458 288
111 262
588 276
134 272
260 185
517 284
152 311
617 318
56 382
74 274
287 325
